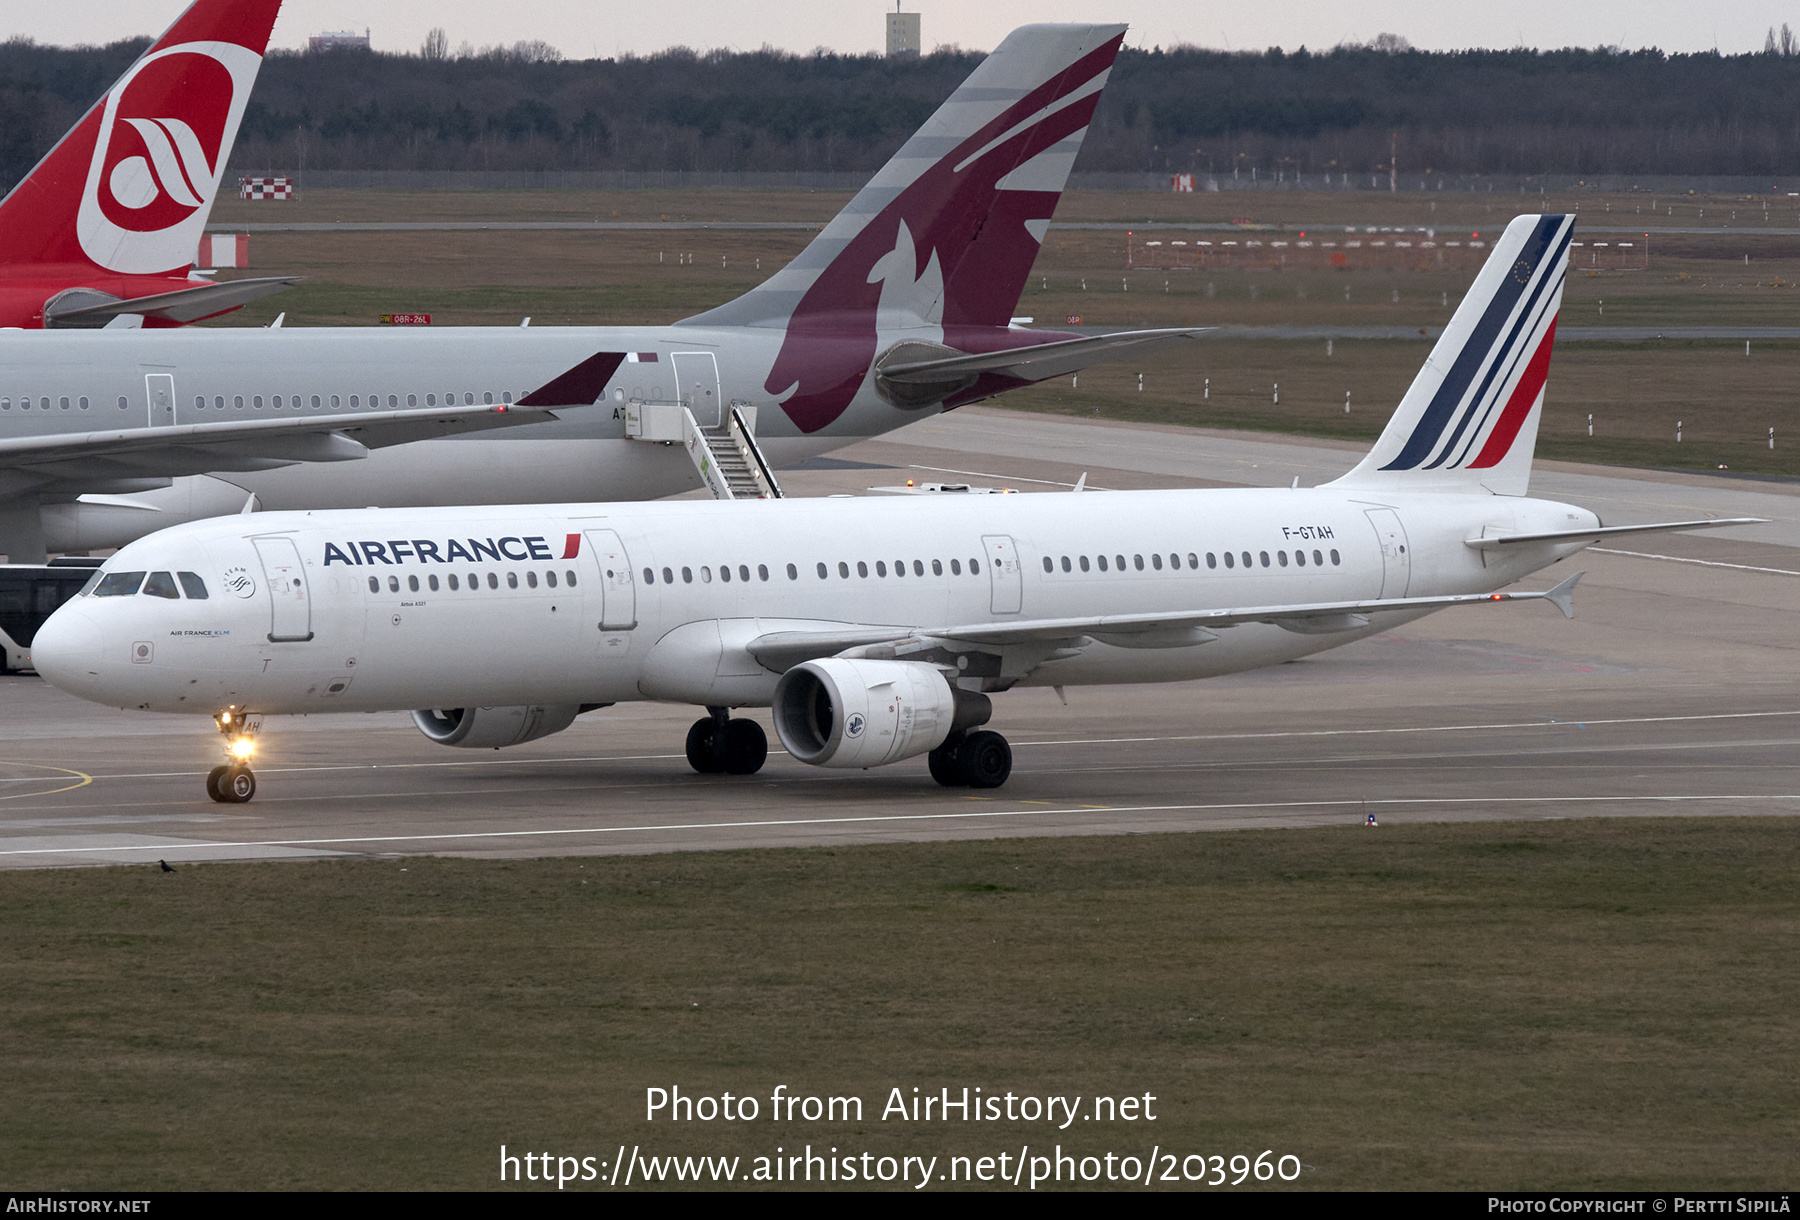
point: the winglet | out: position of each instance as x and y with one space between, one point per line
1563 595
1081 483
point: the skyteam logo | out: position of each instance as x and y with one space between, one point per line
854 726
1499 345
164 134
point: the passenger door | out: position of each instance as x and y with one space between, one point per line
1396 560
618 592
697 386
1003 573
290 609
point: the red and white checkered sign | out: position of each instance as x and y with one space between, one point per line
224 250
266 188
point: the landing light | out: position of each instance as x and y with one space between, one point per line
242 749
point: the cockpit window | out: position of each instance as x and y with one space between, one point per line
119 584
192 585
161 584
91 582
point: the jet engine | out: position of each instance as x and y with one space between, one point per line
843 712
490 728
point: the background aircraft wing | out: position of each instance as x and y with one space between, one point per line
1039 361
263 444
782 650
181 305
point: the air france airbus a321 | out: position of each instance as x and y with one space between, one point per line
901 306
875 629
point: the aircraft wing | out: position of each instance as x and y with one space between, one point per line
262 444
782 650
1607 531
181 305
1040 361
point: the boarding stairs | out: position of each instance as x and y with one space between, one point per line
726 455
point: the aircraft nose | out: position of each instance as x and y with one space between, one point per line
67 649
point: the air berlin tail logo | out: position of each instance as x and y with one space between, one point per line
165 134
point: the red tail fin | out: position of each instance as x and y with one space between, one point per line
129 188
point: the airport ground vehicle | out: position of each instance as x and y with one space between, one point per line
29 595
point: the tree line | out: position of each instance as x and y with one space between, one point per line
1183 109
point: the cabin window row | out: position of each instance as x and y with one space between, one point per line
1233 559
336 401
150 584
455 584
842 569
43 403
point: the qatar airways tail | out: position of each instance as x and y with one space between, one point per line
874 630
107 225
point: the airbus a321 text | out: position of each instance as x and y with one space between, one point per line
876 630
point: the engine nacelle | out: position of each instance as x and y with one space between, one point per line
841 712
491 728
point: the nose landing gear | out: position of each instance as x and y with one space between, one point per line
232 782
720 745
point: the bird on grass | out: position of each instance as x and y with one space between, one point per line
165 866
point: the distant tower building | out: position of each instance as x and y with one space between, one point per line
902 32
338 40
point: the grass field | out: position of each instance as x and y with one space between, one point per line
1600 1003
1638 392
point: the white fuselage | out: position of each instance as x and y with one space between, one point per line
462 607
62 382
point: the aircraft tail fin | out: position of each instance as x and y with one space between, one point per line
130 187
1470 419
942 238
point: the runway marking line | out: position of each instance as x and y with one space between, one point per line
1359 803
82 780
1705 563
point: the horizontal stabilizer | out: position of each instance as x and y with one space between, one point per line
182 305
1040 361
1489 544
781 650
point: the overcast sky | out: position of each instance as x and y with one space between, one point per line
582 29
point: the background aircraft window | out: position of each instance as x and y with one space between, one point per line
256 401
1318 560
296 401
1265 558
119 584
199 402
83 404
412 583
354 401
744 572
25 403
277 402
687 576
649 576
937 567
862 569
63 403
393 400
724 572
793 572
192 585
918 568
706 575
1247 559
450 399
531 579
374 584
843 570
1281 555
1228 560
1101 559
1334 557
1155 562
1212 560
468 399
880 567
44 404
121 402
1049 564
550 579
570 577
454 584
431 582
161 584
821 571
237 400
412 400
955 567
512 579
393 584
6 404
506 396
431 400
668 577
335 402
494 580
315 400
487 396
1083 561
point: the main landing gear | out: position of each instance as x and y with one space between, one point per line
232 782
971 760
719 745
